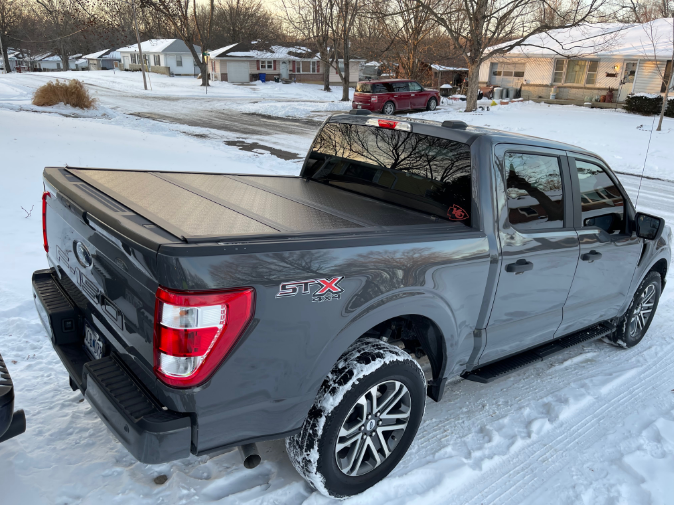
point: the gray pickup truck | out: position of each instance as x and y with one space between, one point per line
198 312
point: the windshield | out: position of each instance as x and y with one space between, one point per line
421 172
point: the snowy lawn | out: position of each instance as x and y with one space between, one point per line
593 425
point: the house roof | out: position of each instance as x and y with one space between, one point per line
159 46
108 54
442 68
257 50
602 39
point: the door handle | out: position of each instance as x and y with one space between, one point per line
519 267
591 256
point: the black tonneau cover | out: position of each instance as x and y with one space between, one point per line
199 207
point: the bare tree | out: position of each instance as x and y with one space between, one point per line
182 16
10 15
477 26
63 20
343 21
244 21
312 21
411 32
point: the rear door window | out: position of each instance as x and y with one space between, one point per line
400 87
422 172
534 191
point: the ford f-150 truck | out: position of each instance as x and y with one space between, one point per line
199 311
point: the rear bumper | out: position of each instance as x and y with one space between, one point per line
147 429
11 423
367 106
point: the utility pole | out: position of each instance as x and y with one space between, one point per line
140 49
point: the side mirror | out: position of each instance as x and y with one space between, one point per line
649 227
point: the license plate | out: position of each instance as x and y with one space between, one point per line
94 343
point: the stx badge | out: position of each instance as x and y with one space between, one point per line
328 289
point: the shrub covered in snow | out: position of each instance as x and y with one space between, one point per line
648 104
71 93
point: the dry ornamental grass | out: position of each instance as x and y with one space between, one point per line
71 93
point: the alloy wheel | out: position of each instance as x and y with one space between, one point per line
373 428
642 311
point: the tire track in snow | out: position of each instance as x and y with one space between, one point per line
580 430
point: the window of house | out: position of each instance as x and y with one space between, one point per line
341 66
157 60
266 64
601 202
575 71
559 71
592 73
306 67
534 191
179 61
58 65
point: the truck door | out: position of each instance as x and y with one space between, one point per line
539 248
608 251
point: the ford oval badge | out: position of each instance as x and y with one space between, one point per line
83 255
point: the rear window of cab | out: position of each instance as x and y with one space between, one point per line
377 87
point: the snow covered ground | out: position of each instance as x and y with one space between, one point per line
593 425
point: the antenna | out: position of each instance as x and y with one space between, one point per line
644 168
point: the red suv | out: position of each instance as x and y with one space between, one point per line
392 95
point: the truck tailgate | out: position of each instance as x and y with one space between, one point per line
198 207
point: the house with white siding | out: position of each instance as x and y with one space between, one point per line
162 56
582 63
244 62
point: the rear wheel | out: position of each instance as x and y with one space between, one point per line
635 323
364 419
432 104
388 108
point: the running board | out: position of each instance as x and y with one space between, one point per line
493 371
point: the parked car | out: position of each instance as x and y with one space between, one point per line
198 312
389 96
11 423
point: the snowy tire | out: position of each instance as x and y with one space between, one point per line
635 323
432 104
388 109
341 451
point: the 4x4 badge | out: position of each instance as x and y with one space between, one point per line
328 289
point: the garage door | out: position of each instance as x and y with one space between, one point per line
237 71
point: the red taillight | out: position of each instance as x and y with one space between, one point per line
194 332
44 220
386 123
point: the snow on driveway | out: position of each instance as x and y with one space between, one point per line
592 425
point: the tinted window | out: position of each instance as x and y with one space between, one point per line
415 86
382 88
534 190
401 86
421 172
363 87
601 202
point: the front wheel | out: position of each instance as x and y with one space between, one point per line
432 104
364 419
636 321
388 108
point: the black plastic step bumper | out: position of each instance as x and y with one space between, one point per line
11 423
148 431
